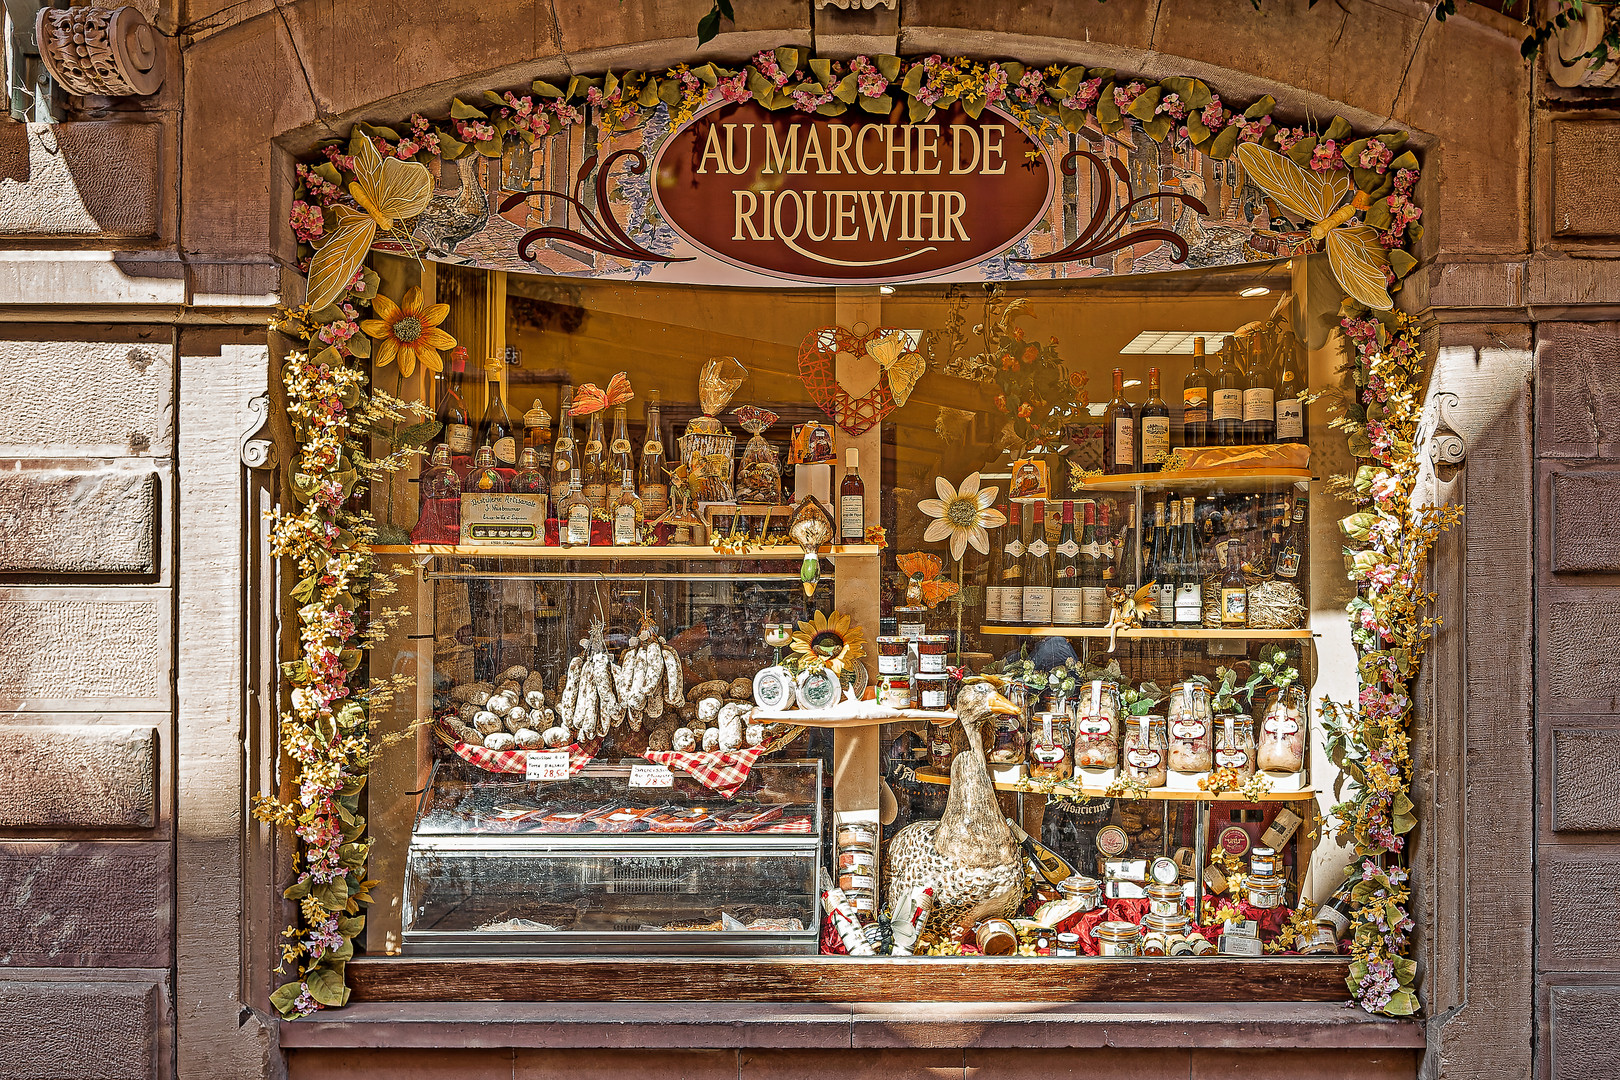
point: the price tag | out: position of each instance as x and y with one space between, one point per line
545 765
646 776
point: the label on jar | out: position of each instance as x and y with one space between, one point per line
859 882
1290 419
1143 759
1037 606
1049 754
1233 840
1188 729
1155 437
1068 606
852 519
459 436
1095 725
1259 403
1231 759
932 663
506 450
1280 725
1124 441
1228 405
1093 605
933 695
895 665
1112 840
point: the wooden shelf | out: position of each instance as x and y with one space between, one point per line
625 554
1199 480
1144 632
934 776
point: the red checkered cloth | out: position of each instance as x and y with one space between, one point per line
786 825
516 761
720 772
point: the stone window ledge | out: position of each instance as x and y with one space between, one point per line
699 1025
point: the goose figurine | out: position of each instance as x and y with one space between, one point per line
968 856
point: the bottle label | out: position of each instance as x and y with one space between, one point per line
1038 548
653 447
654 500
1290 419
593 448
624 526
852 519
1012 604
579 525
563 446
506 450
1037 605
1190 599
1167 603
1094 607
1155 437
596 496
1068 607
1068 549
1228 405
460 438
620 446
1288 563
1234 605
1015 549
992 604
1258 404
1195 405
1093 550
1124 441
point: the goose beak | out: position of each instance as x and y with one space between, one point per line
999 704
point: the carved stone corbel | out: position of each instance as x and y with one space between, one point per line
258 453
105 52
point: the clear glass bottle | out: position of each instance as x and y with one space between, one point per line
594 465
537 434
1068 593
1226 399
564 455
1260 392
1190 572
497 430
1234 589
485 478
530 478
439 480
621 455
652 480
1037 598
627 513
577 532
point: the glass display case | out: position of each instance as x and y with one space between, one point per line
592 865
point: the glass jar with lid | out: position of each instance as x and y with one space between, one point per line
1008 743
1050 742
1188 712
1098 709
1086 890
1118 938
1281 746
1145 751
1234 744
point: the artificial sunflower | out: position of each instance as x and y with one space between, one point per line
408 331
964 515
828 641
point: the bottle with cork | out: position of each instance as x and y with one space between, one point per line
852 501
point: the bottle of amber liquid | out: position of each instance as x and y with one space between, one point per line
1226 399
652 480
1234 589
852 501
1260 392
595 466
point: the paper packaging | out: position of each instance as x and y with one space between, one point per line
496 520
1281 830
1125 869
812 480
1238 945
1124 890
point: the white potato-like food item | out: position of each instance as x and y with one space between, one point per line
555 737
684 740
516 714
731 722
487 723
709 709
711 739
534 699
526 739
753 734
500 740
502 703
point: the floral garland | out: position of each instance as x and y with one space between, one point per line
1370 740
1050 99
325 725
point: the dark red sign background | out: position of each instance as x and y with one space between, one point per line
861 211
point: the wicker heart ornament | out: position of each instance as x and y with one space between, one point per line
818 367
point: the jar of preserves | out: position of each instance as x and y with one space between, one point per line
1164 899
1188 713
1118 938
1086 890
1154 944
931 650
933 691
1145 751
1008 743
996 937
895 692
894 656
858 865
1234 744
1176 923
1263 862
1098 709
1266 891
1281 746
1068 944
941 743
1050 739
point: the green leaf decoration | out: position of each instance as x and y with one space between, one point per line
668 91
284 997
491 148
370 282
332 895
351 925
610 84
450 147
913 80
832 108
1194 93
789 57
1067 83
846 90
578 84
1260 108
1107 111
889 66
707 74
1157 128
821 68
974 107
329 357
879 105
1300 153
1351 152
418 434
1105 74
1396 140
1196 131
460 110
1414 233
1015 72
916 111
1224 143
544 89
1377 215
1338 130
1401 1003
1145 104
1407 160
359 346
297 891
327 988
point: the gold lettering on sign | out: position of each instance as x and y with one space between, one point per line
780 157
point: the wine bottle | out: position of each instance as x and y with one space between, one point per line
1037 601
1093 601
1108 558
852 501
1159 570
564 455
992 576
449 389
1190 576
1154 426
1012 570
1259 392
1291 550
1226 399
652 480
1290 385
497 430
1127 559
594 465
537 434
1052 866
1119 430
1195 400
1067 591
1234 590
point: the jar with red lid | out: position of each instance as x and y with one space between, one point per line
933 691
894 656
931 650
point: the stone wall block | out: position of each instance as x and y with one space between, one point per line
78 519
1586 781
84 1029
86 905
1586 522
1585 193
78 776
98 179
67 649
87 392
1585 1032
1577 394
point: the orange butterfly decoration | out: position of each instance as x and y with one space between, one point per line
922 575
589 398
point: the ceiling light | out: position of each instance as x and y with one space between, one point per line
1173 342
1255 290
887 290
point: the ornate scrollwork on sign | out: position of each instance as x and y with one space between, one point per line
1101 236
258 453
108 52
602 231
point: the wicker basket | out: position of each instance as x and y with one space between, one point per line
699 443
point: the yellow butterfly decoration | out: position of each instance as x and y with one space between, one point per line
388 190
1358 260
904 366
